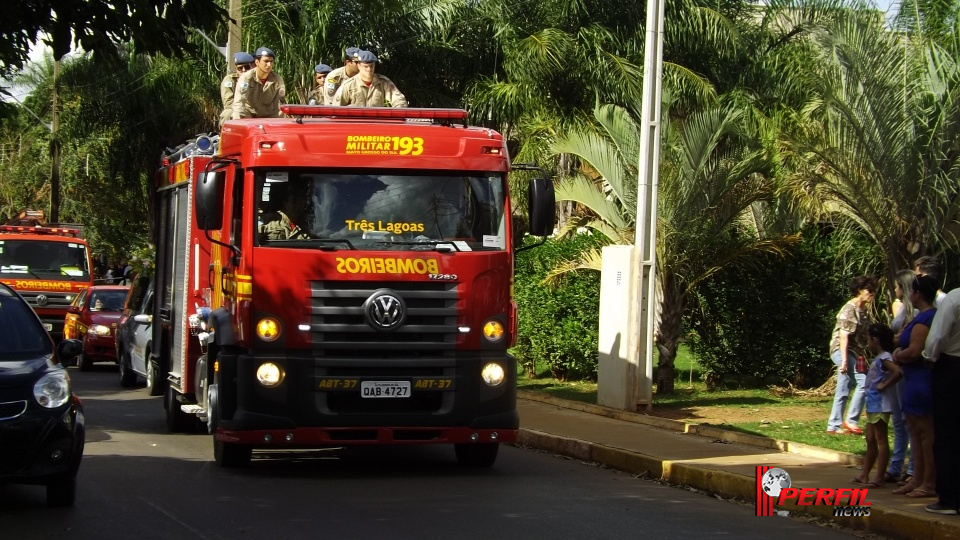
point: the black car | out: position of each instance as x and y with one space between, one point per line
41 419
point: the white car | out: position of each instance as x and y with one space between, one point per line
134 337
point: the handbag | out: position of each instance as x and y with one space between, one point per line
861 366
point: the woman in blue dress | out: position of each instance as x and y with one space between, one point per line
917 394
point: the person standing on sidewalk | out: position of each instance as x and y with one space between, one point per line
881 398
943 348
848 343
917 389
903 312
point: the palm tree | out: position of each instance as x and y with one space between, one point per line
880 143
713 176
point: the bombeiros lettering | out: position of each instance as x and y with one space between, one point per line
43 285
386 265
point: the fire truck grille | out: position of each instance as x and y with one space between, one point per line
340 328
52 299
423 403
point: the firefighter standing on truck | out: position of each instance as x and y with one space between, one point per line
317 96
259 90
336 77
228 85
369 89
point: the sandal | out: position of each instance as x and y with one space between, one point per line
871 485
920 492
902 490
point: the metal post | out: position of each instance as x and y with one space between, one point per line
55 151
643 305
234 34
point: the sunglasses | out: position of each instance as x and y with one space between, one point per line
244 67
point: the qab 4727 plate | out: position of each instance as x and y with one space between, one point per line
385 389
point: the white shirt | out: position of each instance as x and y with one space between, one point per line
944 336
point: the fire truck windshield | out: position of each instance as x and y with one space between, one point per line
405 210
43 259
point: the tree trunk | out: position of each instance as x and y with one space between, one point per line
669 331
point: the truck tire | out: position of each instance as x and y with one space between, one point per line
476 455
155 384
177 420
128 377
62 493
231 456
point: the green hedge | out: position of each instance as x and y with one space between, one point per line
557 326
771 322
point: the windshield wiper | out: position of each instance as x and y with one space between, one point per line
443 246
323 244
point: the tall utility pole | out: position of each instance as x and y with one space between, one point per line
643 307
234 34
55 151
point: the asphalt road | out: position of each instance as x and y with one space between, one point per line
139 482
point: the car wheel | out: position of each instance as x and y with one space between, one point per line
62 493
231 456
177 420
154 383
85 363
128 377
476 455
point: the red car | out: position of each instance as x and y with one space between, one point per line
92 318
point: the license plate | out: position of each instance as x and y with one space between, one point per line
385 389
48 327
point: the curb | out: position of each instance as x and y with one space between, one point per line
704 430
891 523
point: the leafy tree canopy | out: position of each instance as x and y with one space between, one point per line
97 26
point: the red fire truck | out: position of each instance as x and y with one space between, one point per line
341 277
47 264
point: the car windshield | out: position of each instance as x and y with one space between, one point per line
21 334
43 259
408 210
107 300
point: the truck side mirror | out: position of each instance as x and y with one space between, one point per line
208 201
542 207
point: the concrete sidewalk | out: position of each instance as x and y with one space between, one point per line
717 461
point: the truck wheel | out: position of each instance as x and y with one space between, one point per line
154 384
62 493
128 377
476 455
231 456
177 420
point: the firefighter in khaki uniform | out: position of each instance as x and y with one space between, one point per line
317 96
260 90
336 77
228 85
369 89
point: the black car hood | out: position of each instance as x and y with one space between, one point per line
14 373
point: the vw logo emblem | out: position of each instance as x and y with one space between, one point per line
384 310
42 299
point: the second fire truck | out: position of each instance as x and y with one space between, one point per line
342 277
47 264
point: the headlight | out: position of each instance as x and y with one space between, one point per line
268 329
492 374
53 389
493 331
99 330
269 374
